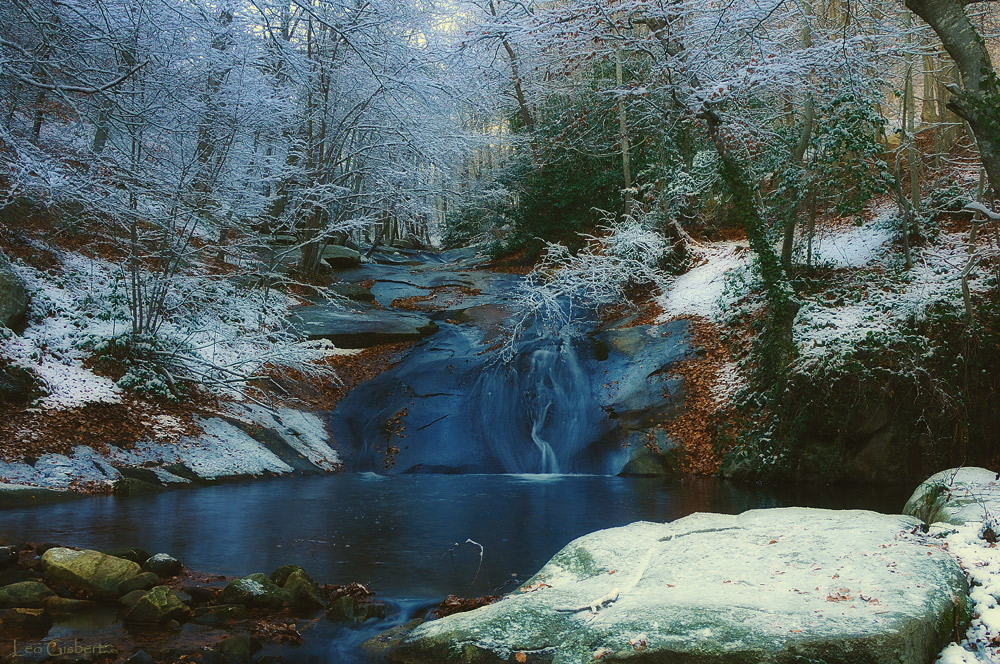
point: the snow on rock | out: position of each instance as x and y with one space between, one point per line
766 585
962 506
701 291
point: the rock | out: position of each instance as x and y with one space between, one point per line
143 581
140 657
13 297
157 606
378 645
163 565
957 496
27 594
355 292
280 575
219 615
778 585
255 591
65 606
130 486
8 555
351 609
352 329
17 495
200 594
341 258
88 570
26 619
134 554
238 648
303 591
131 599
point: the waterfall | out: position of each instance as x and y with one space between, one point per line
548 463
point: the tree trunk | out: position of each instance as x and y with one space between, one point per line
977 100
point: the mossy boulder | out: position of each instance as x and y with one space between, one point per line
255 591
143 581
772 586
163 565
27 594
158 606
88 570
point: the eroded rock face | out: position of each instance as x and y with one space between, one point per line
88 570
780 585
350 329
13 297
957 496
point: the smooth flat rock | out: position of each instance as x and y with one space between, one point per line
770 586
957 496
88 570
353 329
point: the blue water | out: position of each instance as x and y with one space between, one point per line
394 533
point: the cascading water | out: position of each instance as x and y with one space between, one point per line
570 403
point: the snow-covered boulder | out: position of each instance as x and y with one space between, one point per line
778 585
957 496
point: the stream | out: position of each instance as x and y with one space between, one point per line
393 533
446 446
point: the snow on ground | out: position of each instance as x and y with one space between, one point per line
702 290
62 308
855 246
981 562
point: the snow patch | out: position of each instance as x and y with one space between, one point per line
701 291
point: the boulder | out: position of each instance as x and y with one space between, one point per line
355 292
341 258
27 594
66 606
303 591
255 591
776 586
219 615
130 599
144 581
26 619
134 554
957 496
88 570
163 565
280 575
8 555
157 606
354 329
352 609
13 297
238 649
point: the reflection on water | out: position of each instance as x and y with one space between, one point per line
394 533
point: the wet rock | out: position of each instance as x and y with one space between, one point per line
200 594
88 570
956 496
8 555
25 619
352 329
303 591
219 615
130 486
280 575
255 591
134 554
354 292
379 644
341 258
238 649
157 606
779 585
352 609
163 565
65 606
130 599
27 594
13 297
143 581
140 657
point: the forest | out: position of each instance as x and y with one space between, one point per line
646 262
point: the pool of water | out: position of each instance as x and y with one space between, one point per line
403 536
